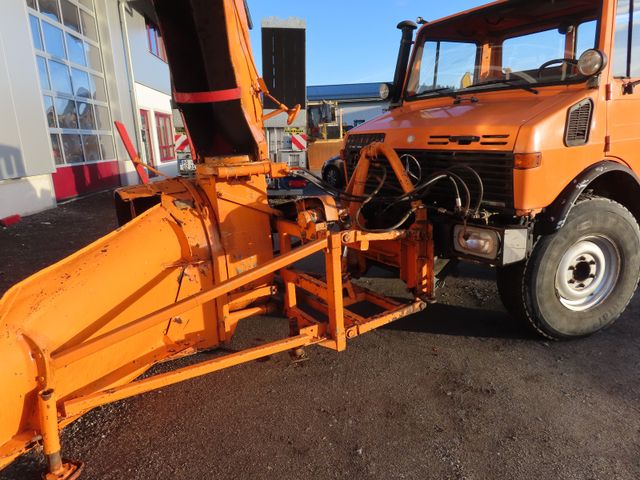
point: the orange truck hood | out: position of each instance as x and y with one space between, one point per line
496 118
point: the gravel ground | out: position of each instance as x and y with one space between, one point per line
456 392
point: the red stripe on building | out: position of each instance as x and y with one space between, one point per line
76 180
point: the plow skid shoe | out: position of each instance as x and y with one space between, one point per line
70 470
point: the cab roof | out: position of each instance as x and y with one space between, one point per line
503 18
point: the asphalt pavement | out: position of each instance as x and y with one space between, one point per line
459 391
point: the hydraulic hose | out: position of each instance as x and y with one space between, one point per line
419 192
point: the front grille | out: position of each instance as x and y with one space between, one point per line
495 170
355 143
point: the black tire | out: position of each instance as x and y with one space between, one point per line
598 249
333 177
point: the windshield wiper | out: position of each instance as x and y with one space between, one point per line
511 82
451 92
447 91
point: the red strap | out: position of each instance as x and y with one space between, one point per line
208 97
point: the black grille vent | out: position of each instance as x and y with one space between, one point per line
495 169
497 140
358 141
579 123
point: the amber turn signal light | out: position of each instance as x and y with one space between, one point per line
524 161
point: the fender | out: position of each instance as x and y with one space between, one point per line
555 215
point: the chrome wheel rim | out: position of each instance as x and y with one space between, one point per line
588 273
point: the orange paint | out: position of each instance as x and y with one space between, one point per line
175 279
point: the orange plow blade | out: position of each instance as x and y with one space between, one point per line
75 300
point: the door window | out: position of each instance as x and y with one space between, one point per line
626 49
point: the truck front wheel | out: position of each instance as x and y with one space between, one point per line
580 279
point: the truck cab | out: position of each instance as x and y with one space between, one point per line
532 111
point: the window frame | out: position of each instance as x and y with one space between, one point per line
164 127
420 52
629 46
154 32
424 36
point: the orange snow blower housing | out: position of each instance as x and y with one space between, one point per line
79 333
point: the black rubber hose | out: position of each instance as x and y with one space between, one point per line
479 181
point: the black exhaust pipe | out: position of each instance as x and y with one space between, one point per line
407 27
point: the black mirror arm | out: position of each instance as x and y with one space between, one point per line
629 87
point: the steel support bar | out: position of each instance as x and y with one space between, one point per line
377 299
79 405
284 239
265 309
72 354
356 324
49 429
312 285
318 287
274 170
289 228
333 265
57 468
247 297
385 318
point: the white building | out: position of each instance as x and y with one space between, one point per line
68 70
359 102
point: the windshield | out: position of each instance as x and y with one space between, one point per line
540 57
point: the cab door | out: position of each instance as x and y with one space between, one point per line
623 127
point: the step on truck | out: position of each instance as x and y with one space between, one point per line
536 105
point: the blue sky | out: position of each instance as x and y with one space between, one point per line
351 41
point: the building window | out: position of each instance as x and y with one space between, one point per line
156 45
65 39
165 137
145 132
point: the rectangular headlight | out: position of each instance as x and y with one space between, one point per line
477 242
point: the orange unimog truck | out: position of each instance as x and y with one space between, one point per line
542 100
